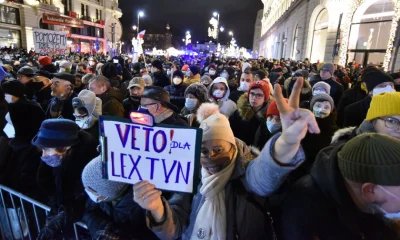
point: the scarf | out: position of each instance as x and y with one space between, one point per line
211 218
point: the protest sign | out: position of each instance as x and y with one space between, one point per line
50 42
166 156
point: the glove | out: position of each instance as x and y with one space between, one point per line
109 233
54 225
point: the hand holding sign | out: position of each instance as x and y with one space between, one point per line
149 198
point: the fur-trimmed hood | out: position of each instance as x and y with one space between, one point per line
342 133
350 132
246 112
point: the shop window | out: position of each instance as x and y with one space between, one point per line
319 37
10 38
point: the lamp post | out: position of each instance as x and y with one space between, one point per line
231 34
217 16
140 14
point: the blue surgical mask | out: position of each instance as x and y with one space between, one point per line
169 73
191 103
225 75
187 74
53 160
273 127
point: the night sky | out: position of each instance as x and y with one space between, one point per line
193 15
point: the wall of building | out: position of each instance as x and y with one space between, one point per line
257 31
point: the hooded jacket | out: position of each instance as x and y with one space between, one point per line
319 206
226 106
245 121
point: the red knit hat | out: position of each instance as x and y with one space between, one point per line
273 108
263 85
45 60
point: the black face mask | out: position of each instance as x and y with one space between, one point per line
37 85
397 87
135 98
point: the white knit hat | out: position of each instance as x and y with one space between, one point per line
214 124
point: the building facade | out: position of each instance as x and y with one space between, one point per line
158 41
85 22
257 31
338 31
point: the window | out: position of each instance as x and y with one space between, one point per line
10 38
319 37
82 9
295 37
97 13
100 14
9 15
87 11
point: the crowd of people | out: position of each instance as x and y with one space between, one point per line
290 149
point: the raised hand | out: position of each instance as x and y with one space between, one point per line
149 198
295 123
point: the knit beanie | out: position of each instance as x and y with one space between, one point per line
273 109
324 86
214 124
147 79
374 78
371 158
14 88
384 104
194 69
92 177
45 60
329 67
185 68
179 74
199 91
157 64
322 98
264 86
205 79
109 70
66 64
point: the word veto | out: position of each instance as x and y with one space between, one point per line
120 163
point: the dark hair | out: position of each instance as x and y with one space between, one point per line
82 65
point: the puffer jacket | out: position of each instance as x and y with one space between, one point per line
256 176
226 106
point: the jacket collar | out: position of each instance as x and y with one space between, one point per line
244 155
246 112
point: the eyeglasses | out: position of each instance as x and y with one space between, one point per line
391 123
256 95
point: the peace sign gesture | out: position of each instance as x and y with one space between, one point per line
295 123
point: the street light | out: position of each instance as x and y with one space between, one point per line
183 40
187 32
221 29
134 27
140 14
231 33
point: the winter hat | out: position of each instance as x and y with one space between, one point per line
57 133
273 109
147 79
214 124
324 86
199 91
157 64
92 177
65 64
87 77
212 66
65 76
87 99
178 73
27 71
374 78
371 158
328 67
137 82
206 80
109 70
321 98
384 104
14 88
185 68
263 85
45 74
261 74
136 66
304 73
194 69
45 60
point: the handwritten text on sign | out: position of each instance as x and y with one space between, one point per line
163 156
50 42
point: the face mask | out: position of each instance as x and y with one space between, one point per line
377 91
316 92
63 70
206 69
244 86
53 160
9 129
191 103
169 73
177 81
187 74
221 161
386 214
225 75
87 122
212 72
273 127
8 98
93 197
218 94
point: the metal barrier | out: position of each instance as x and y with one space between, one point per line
22 217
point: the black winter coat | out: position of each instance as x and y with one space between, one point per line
175 119
160 79
355 113
43 97
336 88
177 94
131 104
235 95
349 97
319 207
262 136
125 215
61 107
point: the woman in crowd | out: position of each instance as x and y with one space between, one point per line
219 94
195 95
177 89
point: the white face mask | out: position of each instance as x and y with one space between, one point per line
225 75
177 81
273 127
316 92
93 197
386 214
86 123
63 69
218 93
244 86
377 91
8 98
9 129
212 72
